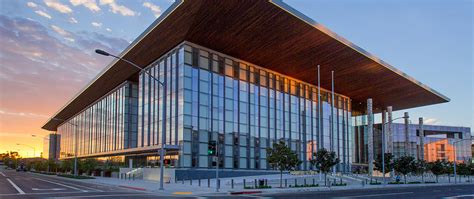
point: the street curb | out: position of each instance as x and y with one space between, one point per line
134 188
244 192
376 187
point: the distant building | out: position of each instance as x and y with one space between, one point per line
440 143
51 144
472 150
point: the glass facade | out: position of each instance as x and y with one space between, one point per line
108 125
440 142
213 97
245 108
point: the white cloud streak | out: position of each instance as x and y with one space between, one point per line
431 121
89 4
60 31
43 14
115 8
67 35
31 4
96 24
22 114
73 20
56 5
154 8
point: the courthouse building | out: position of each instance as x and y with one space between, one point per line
240 72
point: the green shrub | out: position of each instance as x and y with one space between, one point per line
338 184
375 183
415 182
396 183
302 185
430 182
258 187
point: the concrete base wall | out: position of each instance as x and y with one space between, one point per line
186 174
154 174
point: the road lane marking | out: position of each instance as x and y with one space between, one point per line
98 190
1 173
15 186
111 195
460 196
41 193
53 189
374 195
60 184
256 196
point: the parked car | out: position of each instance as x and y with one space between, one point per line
21 168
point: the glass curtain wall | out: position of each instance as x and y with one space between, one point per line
245 108
107 125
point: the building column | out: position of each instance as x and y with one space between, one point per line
384 132
389 130
389 135
370 136
421 155
407 143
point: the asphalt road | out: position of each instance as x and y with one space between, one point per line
29 185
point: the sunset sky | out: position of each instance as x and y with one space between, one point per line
46 51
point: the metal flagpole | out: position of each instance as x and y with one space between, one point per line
332 117
217 163
320 132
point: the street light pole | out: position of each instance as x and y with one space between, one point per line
163 122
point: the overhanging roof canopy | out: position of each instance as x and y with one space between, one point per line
270 34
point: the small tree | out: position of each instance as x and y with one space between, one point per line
282 158
388 159
51 165
419 168
471 168
89 165
324 161
40 165
463 169
66 165
404 165
449 167
437 168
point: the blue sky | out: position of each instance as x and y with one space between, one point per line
46 49
430 40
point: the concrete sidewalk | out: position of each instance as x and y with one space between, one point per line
194 189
